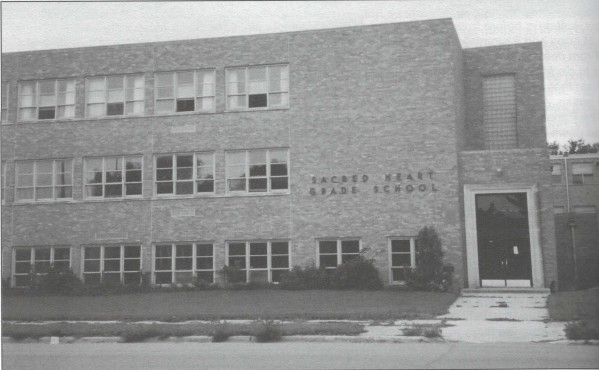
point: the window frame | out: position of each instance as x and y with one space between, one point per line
412 253
582 178
37 95
5 101
339 252
247 178
125 101
269 257
246 83
32 261
193 179
103 183
35 187
175 85
102 259
173 260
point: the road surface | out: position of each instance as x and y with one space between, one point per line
285 355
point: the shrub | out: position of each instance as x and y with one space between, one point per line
136 335
415 331
221 334
582 330
432 332
310 277
269 332
233 274
429 274
56 281
358 273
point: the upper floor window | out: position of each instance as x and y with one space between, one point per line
499 112
113 177
46 99
402 258
44 180
260 87
332 253
582 173
262 170
188 91
114 96
4 101
184 174
556 173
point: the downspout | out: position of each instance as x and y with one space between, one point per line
571 221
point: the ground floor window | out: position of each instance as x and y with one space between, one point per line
113 264
29 261
402 257
334 252
183 263
261 261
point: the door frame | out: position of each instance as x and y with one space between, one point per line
536 256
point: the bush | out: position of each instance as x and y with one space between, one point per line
269 332
358 273
582 330
221 334
311 277
430 273
233 274
432 332
56 281
136 335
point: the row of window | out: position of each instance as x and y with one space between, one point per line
246 171
256 87
185 263
582 173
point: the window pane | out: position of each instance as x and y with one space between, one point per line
258 170
62 254
238 262
163 264
328 260
112 265
23 255
257 100
185 105
165 106
92 253
258 262
163 250
205 186
115 109
205 277
133 189
280 262
236 185
279 183
93 191
64 192
257 249
184 187
42 254
113 190
165 79
131 278
133 176
91 266
184 250
350 246
165 93
204 263
280 248
43 193
95 84
132 252
163 278
164 161
183 263
235 158
112 252
164 175
401 260
185 161
328 246
237 249
164 188
184 277
237 102
257 185
400 246
204 250
46 113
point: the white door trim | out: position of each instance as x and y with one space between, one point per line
536 256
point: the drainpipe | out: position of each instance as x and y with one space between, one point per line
567 185
572 225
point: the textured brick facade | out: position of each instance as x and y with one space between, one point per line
364 101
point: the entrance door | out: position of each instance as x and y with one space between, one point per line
503 240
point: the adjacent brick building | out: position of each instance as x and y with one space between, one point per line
269 151
576 201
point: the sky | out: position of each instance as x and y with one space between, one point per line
569 30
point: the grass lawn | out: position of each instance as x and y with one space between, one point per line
574 305
230 304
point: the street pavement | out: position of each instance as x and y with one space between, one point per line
289 355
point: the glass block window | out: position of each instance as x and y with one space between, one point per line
44 180
46 100
260 261
332 253
183 263
113 177
402 258
255 171
186 91
258 87
184 174
5 87
582 173
114 96
38 260
499 110
112 264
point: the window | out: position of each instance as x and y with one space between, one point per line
251 171
4 101
3 174
260 87
118 264
38 260
402 257
183 263
556 173
47 99
114 96
261 261
188 91
44 180
184 174
582 173
332 253
499 106
113 177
